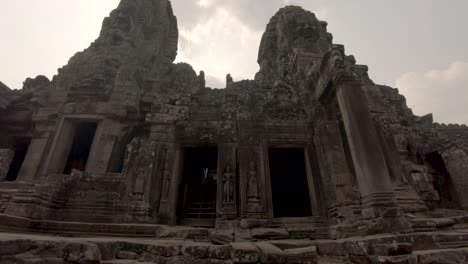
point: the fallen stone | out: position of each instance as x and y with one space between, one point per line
221 237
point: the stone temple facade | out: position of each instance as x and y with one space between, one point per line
310 162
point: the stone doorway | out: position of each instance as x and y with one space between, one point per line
289 184
441 182
197 202
81 147
20 146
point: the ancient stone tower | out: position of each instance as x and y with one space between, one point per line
124 142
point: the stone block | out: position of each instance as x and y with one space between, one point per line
221 237
305 255
253 223
393 249
126 255
13 247
195 250
269 233
270 253
82 253
409 259
244 252
163 249
219 252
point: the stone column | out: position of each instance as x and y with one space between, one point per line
372 174
456 162
226 204
59 150
336 175
252 189
102 146
34 157
172 177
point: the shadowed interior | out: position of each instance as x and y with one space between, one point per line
290 191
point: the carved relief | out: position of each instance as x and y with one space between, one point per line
228 185
253 188
139 166
166 182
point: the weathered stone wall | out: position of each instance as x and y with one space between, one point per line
366 153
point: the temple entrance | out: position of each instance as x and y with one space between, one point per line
289 185
20 146
81 146
197 203
441 181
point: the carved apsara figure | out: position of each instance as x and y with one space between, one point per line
166 182
253 190
228 185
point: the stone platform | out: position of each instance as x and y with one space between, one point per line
419 248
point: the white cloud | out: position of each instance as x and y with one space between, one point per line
220 44
443 92
205 3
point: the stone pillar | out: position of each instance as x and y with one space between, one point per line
172 178
102 146
34 158
456 162
61 146
252 189
372 174
6 157
226 204
337 177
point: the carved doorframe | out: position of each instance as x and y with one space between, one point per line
64 134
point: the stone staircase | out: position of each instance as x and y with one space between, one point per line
417 248
409 200
9 191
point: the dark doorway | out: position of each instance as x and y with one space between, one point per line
289 186
81 146
197 203
441 181
20 146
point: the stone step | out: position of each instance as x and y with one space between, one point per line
446 256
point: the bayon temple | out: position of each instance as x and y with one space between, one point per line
127 155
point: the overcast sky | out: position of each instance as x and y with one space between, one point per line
418 46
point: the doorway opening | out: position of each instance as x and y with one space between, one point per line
441 181
289 185
81 146
20 146
197 203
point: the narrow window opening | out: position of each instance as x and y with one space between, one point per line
21 146
197 201
290 189
81 146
